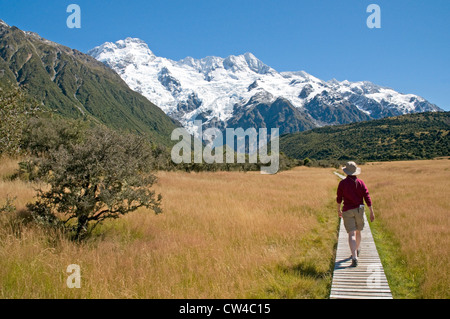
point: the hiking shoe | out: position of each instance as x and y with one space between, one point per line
357 253
354 262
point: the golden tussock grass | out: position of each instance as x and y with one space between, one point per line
236 235
412 205
221 235
20 190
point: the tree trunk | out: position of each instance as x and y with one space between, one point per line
81 227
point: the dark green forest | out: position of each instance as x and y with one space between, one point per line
407 137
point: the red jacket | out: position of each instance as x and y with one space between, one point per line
353 191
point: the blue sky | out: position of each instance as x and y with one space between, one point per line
326 38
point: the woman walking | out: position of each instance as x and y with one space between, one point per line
353 192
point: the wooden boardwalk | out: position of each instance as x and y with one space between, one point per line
367 280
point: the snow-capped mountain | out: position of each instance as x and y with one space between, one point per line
241 91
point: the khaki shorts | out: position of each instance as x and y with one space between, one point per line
353 219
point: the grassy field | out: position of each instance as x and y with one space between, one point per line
412 230
236 235
221 235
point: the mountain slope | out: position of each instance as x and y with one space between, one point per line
411 136
225 92
74 85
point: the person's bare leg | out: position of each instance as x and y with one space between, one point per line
352 244
358 239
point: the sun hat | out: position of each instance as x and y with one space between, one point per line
351 169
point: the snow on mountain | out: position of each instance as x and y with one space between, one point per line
218 90
3 23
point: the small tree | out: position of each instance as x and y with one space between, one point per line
104 176
15 109
306 161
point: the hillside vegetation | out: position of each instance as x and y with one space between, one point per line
75 85
406 137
